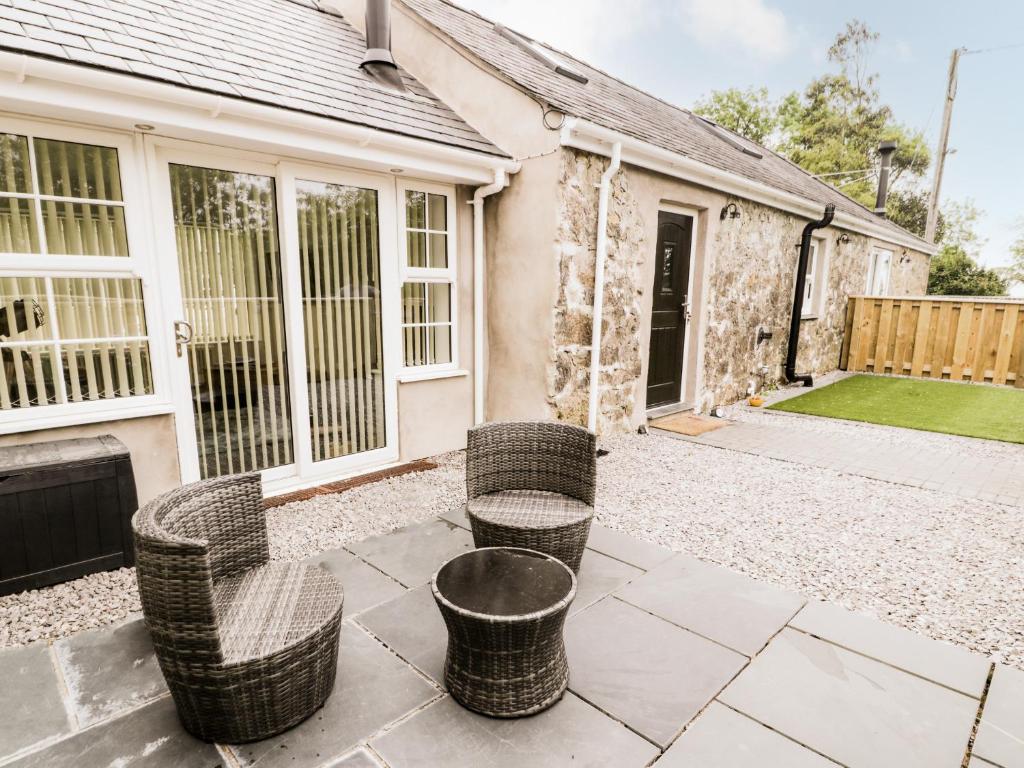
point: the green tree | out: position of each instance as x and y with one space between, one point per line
750 113
1015 272
833 129
955 273
960 220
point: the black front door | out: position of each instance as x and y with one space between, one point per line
671 306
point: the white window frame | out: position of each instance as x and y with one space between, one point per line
447 275
138 264
876 253
815 280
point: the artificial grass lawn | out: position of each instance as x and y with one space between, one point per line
935 406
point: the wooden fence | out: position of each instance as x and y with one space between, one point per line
960 339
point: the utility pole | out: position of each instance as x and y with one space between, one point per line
940 160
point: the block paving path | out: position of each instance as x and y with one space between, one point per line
961 474
674 662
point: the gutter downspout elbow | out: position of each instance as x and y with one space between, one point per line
798 296
499 183
604 190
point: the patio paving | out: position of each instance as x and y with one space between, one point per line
674 662
998 480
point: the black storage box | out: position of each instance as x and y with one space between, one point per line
65 511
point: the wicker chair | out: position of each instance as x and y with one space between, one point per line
532 485
249 648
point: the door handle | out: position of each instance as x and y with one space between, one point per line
182 335
684 310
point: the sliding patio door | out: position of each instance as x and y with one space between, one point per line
339 253
229 264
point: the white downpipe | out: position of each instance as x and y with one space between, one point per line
602 252
479 313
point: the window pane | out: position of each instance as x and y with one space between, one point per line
416 245
84 229
77 170
440 344
415 210
440 302
99 308
23 315
225 227
14 174
438 216
414 303
26 377
103 370
340 257
438 250
18 232
415 338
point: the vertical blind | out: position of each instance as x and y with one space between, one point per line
66 339
339 251
227 240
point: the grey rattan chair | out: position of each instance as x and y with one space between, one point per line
248 647
532 485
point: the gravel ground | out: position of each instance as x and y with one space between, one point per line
920 559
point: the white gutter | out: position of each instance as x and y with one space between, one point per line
604 189
479 314
597 139
27 71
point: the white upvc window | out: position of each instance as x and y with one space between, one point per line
74 335
427 258
814 283
879 266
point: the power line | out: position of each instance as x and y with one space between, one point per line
994 48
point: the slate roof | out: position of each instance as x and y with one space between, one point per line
286 53
613 104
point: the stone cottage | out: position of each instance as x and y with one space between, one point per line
703 229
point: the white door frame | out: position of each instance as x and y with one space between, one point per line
160 153
693 213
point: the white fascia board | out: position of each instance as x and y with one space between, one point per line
589 137
72 92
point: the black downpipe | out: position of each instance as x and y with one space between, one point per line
798 298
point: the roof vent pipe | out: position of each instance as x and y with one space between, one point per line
378 62
798 296
885 152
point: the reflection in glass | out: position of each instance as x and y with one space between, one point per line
339 249
225 227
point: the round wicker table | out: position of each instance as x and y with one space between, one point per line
505 609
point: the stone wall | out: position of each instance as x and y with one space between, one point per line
751 265
575 251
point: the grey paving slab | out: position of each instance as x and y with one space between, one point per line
851 708
642 670
373 688
1000 737
714 602
939 662
599 576
412 627
410 555
456 516
364 585
33 710
628 549
723 738
110 670
358 759
149 737
571 733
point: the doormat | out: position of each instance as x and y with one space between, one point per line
349 483
688 424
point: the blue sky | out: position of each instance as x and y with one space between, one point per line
681 49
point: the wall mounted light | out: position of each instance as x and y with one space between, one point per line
731 211
843 239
